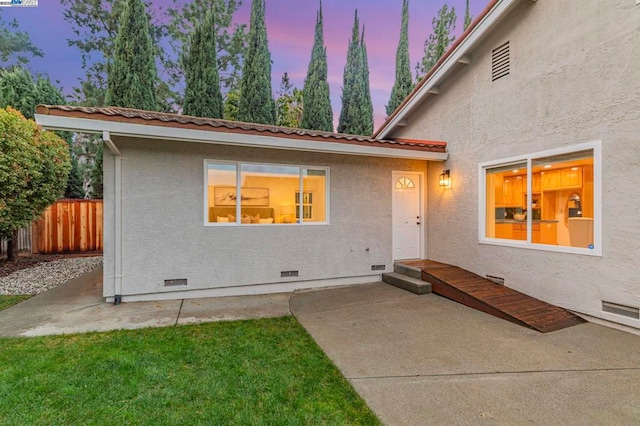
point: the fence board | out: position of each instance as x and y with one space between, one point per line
24 240
70 226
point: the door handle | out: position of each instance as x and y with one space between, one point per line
417 223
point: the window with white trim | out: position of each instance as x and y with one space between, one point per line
269 194
548 200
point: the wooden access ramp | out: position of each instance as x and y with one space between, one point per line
503 302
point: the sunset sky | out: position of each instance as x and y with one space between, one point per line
290 30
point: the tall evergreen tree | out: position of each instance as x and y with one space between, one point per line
256 98
404 82
356 116
202 96
367 106
132 75
438 41
317 114
467 17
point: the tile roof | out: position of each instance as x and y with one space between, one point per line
134 116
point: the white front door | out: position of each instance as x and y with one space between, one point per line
407 219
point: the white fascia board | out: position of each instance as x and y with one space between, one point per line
116 128
496 15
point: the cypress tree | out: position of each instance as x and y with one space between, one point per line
367 105
202 97
317 113
356 116
132 74
467 17
256 99
404 82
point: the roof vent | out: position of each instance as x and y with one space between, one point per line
500 61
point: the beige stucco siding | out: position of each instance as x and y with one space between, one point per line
164 236
575 77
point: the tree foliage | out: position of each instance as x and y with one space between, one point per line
256 98
231 38
289 105
34 165
467 17
16 47
20 91
231 104
438 41
97 173
95 26
404 81
318 114
202 96
132 74
356 116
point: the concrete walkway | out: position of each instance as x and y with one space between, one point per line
425 360
416 360
78 306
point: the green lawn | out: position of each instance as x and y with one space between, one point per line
8 301
242 373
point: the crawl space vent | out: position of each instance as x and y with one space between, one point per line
176 282
625 311
500 62
285 274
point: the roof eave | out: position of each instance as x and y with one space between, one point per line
492 16
117 128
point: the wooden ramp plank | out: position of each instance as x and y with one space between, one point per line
503 302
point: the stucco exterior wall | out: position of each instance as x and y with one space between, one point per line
164 236
575 77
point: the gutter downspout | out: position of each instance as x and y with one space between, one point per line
106 137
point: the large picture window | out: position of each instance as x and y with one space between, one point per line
548 200
268 194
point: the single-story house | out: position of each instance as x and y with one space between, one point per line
539 105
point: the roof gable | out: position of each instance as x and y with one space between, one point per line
456 55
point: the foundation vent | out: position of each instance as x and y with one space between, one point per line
176 282
500 62
285 274
378 267
625 311
496 280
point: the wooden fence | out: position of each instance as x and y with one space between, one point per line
69 226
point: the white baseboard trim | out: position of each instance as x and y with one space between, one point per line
249 289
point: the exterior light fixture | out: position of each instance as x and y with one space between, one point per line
445 178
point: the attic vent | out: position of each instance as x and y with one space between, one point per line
500 61
625 311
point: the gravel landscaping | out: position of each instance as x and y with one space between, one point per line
47 275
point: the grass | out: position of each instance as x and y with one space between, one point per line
8 301
240 373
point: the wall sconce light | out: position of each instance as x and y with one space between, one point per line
445 178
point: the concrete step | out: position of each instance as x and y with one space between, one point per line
404 282
407 270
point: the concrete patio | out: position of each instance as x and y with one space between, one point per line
414 359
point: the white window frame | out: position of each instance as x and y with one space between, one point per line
238 165
596 146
